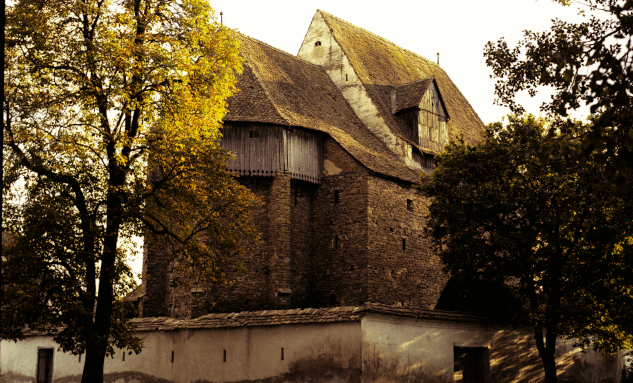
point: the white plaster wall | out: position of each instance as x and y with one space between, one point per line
252 353
20 359
399 349
330 55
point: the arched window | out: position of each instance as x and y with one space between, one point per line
317 44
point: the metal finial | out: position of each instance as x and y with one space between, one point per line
222 22
438 58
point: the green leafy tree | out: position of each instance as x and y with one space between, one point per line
111 120
585 64
550 232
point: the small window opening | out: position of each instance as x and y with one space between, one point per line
254 133
336 241
391 229
317 44
345 76
123 360
336 197
410 205
224 357
416 155
404 244
172 357
282 353
79 358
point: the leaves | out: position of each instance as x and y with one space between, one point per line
111 121
548 227
586 64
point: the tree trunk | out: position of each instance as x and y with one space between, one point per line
93 368
547 351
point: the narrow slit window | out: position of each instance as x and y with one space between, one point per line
282 353
224 356
123 360
172 357
336 197
410 205
345 76
404 244
79 358
336 241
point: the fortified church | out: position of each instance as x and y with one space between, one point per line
343 286
332 140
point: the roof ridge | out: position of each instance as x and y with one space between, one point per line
414 81
375 36
281 51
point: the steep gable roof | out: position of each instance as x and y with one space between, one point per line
279 88
381 65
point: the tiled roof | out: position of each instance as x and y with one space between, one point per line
382 65
279 88
297 316
410 95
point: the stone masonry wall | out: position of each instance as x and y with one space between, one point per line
278 241
250 289
339 225
405 271
155 269
354 238
301 198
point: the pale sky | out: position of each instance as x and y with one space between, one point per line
458 29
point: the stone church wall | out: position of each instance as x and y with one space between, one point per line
405 271
339 224
354 238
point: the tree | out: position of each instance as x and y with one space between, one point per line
590 64
550 232
111 119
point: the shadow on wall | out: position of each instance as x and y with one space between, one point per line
319 370
515 358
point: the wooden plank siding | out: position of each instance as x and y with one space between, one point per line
264 149
432 129
304 155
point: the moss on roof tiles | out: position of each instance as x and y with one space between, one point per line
410 95
381 64
279 88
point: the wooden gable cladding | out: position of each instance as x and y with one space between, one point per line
420 106
432 129
265 149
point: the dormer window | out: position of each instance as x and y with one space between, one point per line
421 107
317 44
